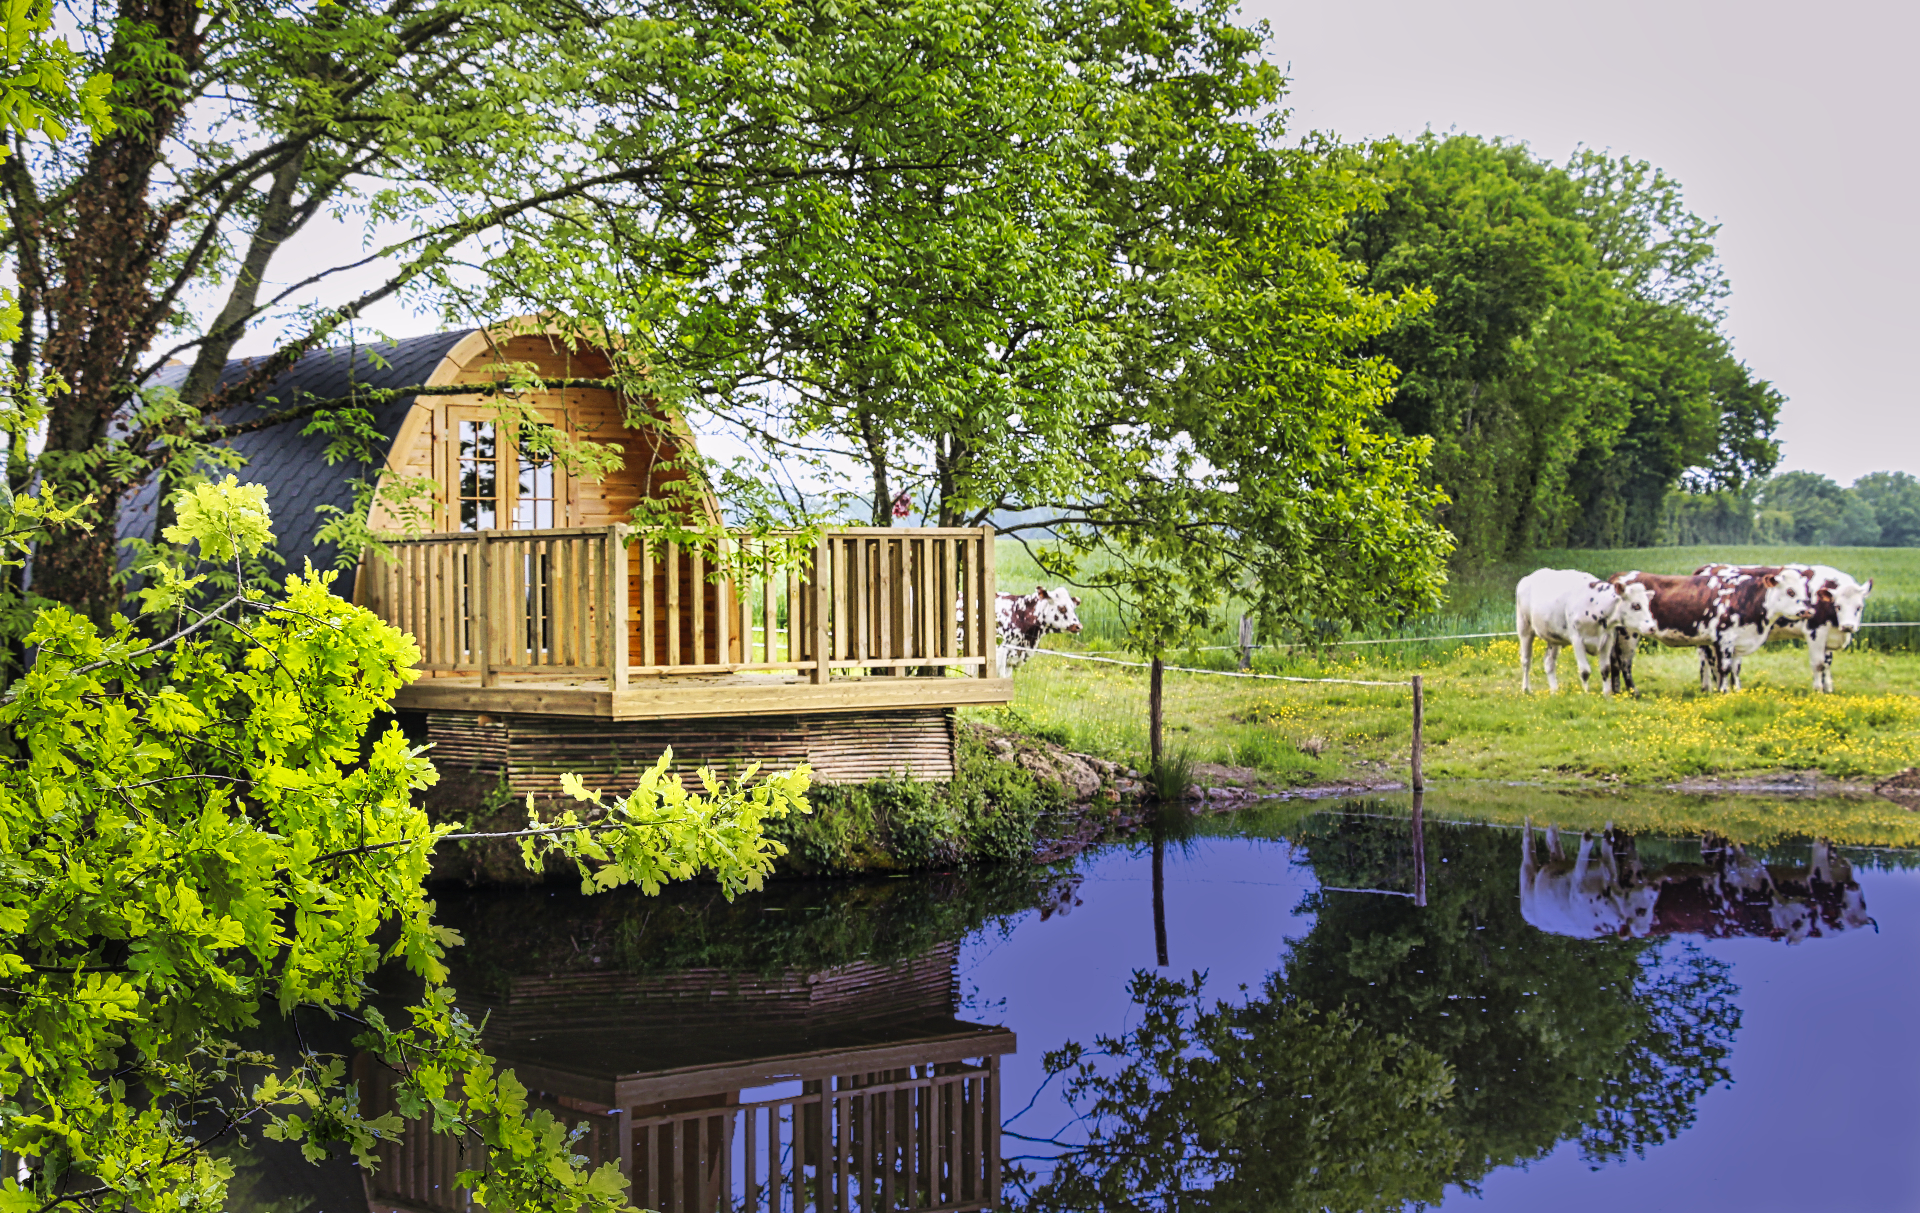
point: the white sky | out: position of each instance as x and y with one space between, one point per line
1790 124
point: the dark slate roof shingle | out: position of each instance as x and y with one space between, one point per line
293 466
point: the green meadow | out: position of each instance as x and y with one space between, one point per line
1479 726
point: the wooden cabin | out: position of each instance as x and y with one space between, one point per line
556 636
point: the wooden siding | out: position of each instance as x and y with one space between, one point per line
535 750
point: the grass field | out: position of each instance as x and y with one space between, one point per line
1479 725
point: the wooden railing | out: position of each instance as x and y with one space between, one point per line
609 602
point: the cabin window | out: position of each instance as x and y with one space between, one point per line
534 494
479 476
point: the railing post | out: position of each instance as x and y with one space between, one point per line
479 608
822 595
616 608
989 592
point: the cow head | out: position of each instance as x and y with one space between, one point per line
1849 603
1787 595
1054 609
1633 609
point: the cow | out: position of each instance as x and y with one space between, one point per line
1838 603
1024 618
1729 617
1604 892
1568 608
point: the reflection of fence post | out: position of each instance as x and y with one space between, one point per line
1160 895
1419 736
1419 850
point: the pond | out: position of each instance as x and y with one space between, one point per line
1264 1014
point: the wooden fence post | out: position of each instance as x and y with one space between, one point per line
1246 642
1419 736
1156 681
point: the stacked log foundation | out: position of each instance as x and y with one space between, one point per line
533 752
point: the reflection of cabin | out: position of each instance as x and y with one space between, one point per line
853 1088
554 636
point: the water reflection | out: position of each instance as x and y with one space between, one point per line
1605 890
849 1085
1396 1050
816 1046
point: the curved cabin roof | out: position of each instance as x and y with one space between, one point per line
301 483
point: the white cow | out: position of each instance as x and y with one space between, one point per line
1838 604
1588 898
1569 608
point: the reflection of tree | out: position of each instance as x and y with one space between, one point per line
1611 1042
1270 1104
1398 1049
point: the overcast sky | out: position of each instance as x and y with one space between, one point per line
1790 124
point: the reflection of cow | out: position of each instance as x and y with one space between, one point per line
1604 892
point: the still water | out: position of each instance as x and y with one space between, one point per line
1276 1022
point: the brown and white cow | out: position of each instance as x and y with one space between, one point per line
1838 604
1024 618
1727 616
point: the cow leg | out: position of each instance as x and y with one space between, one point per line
1552 664
1729 663
1707 682
1526 658
1580 660
1820 658
1624 646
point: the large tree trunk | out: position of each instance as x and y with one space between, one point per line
102 245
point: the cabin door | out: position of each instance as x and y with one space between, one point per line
495 480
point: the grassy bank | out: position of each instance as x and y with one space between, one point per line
1479 725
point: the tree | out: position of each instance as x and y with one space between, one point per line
1894 498
198 832
607 162
1106 304
1815 503
1571 371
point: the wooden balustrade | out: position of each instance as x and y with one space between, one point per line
551 602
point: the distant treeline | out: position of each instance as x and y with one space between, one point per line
1572 371
1880 510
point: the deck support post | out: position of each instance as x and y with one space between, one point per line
480 603
616 608
989 593
822 595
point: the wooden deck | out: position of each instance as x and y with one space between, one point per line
696 696
613 624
